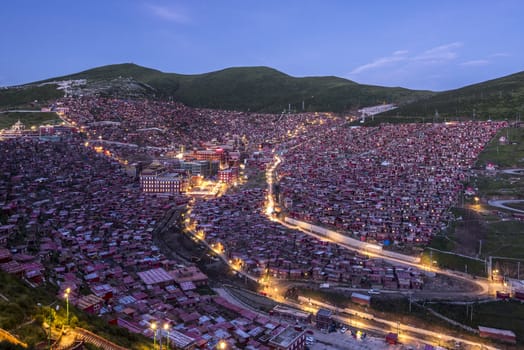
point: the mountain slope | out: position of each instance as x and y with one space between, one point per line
497 98
245 88
268 90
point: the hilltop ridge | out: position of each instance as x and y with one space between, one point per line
265 89
261 89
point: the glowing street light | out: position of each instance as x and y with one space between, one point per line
222 345
153 327
66 295
166 328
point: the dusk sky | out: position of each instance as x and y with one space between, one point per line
436 45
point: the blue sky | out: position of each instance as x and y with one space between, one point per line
436 45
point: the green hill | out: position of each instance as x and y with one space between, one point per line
27 95
268 90
497 98
245 88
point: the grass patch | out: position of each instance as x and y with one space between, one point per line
32 333
26 95
29 119
442 242
500 185
205 290
453 262
488 314
505 238
5 345
505 156
519 206
256 179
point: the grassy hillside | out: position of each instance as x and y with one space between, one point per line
268 90
25 95
244 88
498 99
24 310
29 119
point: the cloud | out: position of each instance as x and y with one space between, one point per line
400 52
440 53
434 55
167 13
484 61
397 56
473 63
500 54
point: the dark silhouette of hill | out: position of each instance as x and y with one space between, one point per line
268 90
498 99
244 88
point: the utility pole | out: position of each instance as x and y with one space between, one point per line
480 247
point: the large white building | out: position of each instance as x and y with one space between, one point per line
152 181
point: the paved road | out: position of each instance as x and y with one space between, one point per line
502 204
513 171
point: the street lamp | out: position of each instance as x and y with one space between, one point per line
166 328
153 327
66 295
222 345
